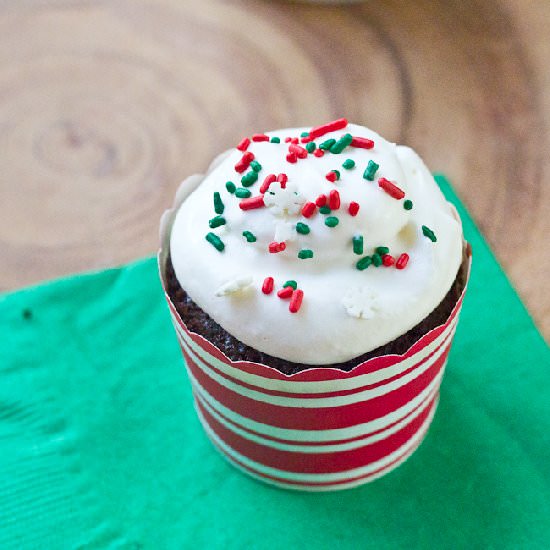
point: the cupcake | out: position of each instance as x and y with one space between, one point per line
314 277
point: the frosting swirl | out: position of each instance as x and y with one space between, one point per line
360 232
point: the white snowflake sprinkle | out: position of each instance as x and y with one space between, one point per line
283 202
361 303
238 284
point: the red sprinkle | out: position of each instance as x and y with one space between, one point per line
243 145
260 137
287 140
294 140
362 142
391 189
308 209
285 292
321 200
318 153
319 131
267 287
292 158
334 200
252 202
306 139
267 182
388 260
245 161
331 176
402 261
282 179
298 150
275 247
353 208
296 300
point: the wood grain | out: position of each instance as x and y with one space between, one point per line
105 106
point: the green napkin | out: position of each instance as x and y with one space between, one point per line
100 446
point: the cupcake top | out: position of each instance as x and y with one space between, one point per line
316 245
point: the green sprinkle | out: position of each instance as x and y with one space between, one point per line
370 170
348 164
305 253
215 241
216 222
325 210
357 241
408 204
337 172
382 250
242 193
291 283
249 178
332 221
376 259
363 263
255 165
341 144
429 233
230 186
327 144
310 147
250 237
218 203
275 139
302 228
304 134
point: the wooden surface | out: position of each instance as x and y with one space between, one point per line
106 105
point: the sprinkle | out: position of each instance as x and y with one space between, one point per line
325 210
429 233
255 165
357 241
216 222
285 292
370 170
305 139
341 144
321 200
308 209
310 147
215 241
267 182
376 259
245 161
252 202
294 140
287 140
408 204
304 134
318 153
305 253
243 144
296 301
292 158
242 193
402 261
391 189
332 221
230 186
282 179
382 250
267 286
319 131
250 237
218 203
291 283
388 260
363 263
348 164
299 151
249 178
302 228
275 247
362 143
353 208
333 176
238 284
275 139
260 137
327 144
334 200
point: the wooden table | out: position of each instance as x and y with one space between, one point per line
106 105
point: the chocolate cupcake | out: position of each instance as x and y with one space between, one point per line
314 277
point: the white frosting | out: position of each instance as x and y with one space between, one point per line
345 312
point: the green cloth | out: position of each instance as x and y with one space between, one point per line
100 446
